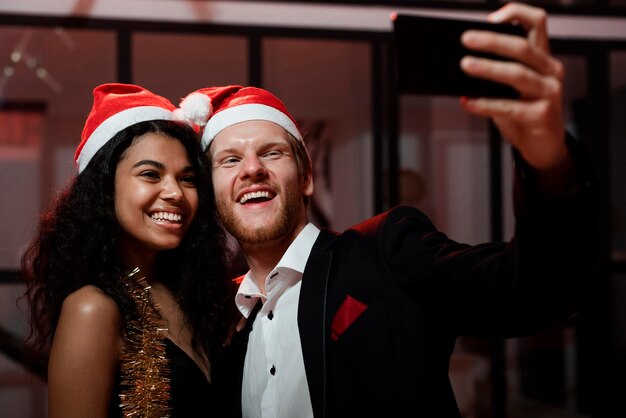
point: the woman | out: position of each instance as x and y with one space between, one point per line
126 273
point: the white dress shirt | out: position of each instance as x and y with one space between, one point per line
274 379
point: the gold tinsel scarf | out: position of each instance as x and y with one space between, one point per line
144 365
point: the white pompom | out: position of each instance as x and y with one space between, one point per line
195 108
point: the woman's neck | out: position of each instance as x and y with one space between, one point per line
132 259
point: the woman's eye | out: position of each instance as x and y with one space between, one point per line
150 174
189 180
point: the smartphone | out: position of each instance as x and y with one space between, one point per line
428 53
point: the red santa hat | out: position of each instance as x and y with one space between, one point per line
116 107
220 107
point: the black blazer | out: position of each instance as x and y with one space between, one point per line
417 291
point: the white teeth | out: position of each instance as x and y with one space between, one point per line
167 216
254 195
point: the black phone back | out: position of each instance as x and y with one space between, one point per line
428 54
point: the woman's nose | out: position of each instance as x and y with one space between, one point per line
171 190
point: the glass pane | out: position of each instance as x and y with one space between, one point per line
20 149
564 3
541 369
191 62
46 80
21 395
45 93
444 165
12 318
444 162
444 171
333 106
618 153
618 294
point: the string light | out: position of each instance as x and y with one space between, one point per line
20 54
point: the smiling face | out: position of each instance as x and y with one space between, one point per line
155 195
258 192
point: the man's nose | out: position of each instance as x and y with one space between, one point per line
253 167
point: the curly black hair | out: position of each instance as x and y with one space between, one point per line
76 245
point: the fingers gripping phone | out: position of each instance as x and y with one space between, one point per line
428 54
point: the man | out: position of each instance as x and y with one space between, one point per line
363 323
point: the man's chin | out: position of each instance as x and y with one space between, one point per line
256 235
259 227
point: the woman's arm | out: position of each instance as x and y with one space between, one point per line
84 356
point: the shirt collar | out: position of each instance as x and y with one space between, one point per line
294 259
297 254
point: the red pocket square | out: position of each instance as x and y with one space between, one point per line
348 312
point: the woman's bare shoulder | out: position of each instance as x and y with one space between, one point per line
85 353
91 304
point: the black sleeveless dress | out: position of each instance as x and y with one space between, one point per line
191 394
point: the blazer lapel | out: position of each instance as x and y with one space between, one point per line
312 319
236 359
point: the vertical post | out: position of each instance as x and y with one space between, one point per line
599 393
384 126
377 135
392 117
496 346
255 61
124 56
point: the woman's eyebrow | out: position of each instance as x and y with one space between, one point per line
161 166
149 162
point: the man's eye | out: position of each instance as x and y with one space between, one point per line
273 154
229 161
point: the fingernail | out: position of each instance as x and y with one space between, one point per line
468 36
495 17
467 62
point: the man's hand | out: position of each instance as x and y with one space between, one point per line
534 123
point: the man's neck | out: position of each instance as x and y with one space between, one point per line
262 258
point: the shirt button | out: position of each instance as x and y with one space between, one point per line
273 371
270 315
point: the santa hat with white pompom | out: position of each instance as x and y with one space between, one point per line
117 106
217 108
